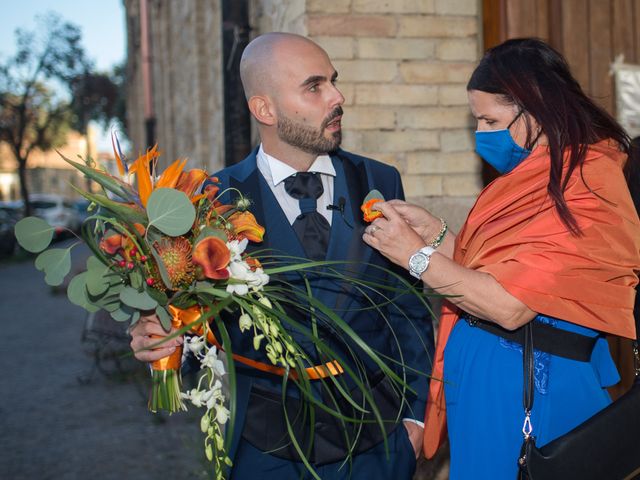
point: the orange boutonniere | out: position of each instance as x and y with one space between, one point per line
370 200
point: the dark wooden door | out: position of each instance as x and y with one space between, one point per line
589 33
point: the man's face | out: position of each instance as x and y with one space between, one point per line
308 104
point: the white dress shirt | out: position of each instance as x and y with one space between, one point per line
275 172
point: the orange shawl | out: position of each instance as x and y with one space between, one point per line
515 234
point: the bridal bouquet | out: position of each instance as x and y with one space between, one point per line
161 244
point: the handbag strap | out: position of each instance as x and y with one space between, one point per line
528 367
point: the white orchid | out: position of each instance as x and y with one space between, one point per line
245 322
237 248
195 344
211 361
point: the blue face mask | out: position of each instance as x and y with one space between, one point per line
499 150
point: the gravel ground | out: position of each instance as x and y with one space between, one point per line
63 418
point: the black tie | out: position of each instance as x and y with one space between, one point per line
310 226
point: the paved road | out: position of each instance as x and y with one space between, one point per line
59 420
54 426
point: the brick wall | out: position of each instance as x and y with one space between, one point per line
403 66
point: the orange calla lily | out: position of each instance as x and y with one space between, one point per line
369 214
118 242
246 226
213 256
212 190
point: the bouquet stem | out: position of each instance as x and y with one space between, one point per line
167 384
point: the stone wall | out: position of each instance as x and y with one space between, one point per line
186 56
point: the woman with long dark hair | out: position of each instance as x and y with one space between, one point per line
554 240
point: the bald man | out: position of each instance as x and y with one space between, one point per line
307 192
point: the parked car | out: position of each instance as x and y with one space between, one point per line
13 208
7 237
57 211
81 206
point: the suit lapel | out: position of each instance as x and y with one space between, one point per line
346 243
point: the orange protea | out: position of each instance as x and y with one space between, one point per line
369 214
212 255
175 254
246 226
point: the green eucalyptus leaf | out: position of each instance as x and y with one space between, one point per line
33 234
373 194
157 295
170 211
135 299
94 263
164 316
111 305
121 314
55 263
77 293
99 277
135 278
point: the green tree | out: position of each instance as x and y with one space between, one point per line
94 98
33 113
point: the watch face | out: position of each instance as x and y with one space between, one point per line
418 262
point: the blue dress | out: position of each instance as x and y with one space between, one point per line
483 390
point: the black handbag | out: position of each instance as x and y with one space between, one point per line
604 447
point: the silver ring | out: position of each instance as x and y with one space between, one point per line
374 229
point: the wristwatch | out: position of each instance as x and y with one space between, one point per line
419 261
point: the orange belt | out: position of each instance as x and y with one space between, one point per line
192 314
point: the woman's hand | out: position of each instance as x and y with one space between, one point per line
146 333
424 223
392 236
475 292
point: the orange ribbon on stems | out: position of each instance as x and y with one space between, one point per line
191 315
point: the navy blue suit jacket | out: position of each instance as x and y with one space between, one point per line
355 177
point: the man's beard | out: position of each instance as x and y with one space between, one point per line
309 139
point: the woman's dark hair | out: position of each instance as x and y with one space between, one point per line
536 78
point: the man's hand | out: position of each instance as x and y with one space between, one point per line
415 436
148 332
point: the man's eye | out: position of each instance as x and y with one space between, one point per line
313 88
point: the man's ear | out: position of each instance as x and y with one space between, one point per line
262 109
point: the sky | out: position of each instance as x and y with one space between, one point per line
102 23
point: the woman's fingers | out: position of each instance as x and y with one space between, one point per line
148 339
